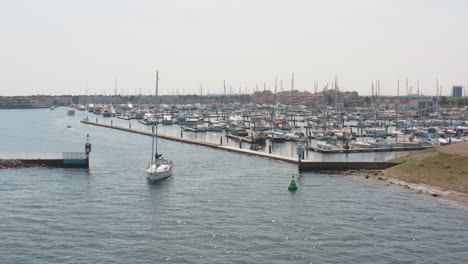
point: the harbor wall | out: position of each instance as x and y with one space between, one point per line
34 163
344 166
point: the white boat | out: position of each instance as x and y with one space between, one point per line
106 113
201 128
167 120
71 110
190 125
376 131
379 143
395 133
148 119
361 145
326 146
297 137
406 144
159 168
277 137
81 107
343 135
261 126
235 118
216 126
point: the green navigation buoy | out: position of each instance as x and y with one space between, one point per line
292 186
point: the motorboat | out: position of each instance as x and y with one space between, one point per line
239 132
296 136
379 143
106 113
200 127
216 126
277 137
167 120
361 145
71 110
326 145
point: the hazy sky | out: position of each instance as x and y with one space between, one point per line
60 47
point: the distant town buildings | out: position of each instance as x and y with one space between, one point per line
404 103
341 100
22 102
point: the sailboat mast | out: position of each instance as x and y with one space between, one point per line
396 109
225 101
152 146
292 90
274 104
273 116
157 114
201 95
437 95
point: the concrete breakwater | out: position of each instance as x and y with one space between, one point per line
18 164
40 163
303 166
75 160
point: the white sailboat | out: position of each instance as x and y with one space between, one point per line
159 168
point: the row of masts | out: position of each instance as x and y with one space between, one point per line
229 90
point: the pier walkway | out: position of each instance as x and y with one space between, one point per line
302 165
197 142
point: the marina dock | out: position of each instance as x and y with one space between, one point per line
303 166
365 150
197 142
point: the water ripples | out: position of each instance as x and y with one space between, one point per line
218 208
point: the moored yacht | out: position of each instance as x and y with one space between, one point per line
326 145
106 112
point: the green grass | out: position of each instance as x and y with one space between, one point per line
448 171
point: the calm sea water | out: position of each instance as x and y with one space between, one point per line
219 207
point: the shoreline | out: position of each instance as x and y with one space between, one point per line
403 181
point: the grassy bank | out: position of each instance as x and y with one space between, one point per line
433 167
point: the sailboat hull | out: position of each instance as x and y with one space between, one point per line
158 172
